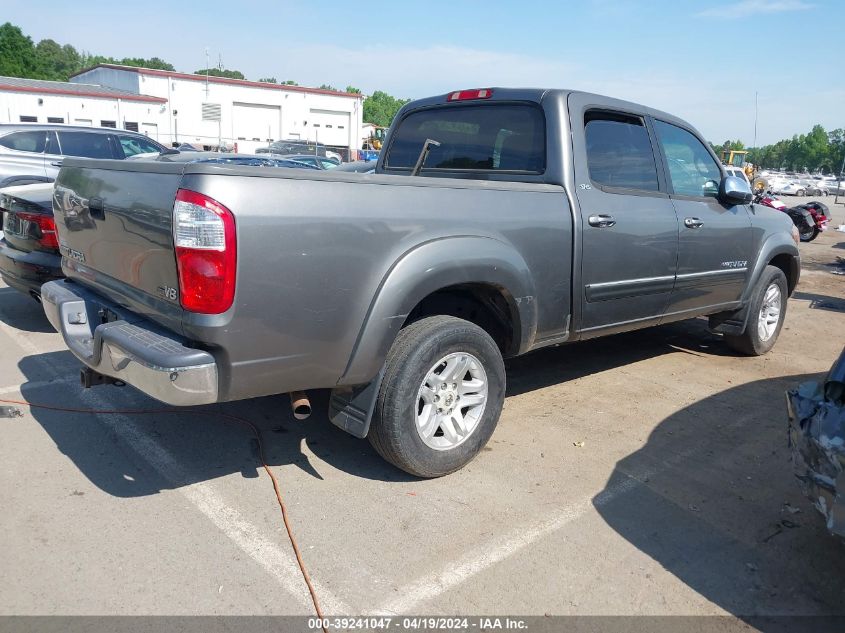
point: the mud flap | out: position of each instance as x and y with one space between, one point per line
732 323
351 408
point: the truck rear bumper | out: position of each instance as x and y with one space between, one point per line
130 348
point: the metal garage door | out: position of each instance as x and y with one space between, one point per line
254 122
330 127
150 129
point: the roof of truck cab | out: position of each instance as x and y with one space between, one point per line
540 95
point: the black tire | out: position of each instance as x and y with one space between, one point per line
393 431
809 235
800 192
750 342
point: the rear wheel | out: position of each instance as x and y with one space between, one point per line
809 235
441 397
766 314
800 192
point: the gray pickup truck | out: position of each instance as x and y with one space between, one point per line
498 221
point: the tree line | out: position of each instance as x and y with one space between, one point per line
817 151
21 57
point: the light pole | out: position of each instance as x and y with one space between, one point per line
754 144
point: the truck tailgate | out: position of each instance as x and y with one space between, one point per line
114 222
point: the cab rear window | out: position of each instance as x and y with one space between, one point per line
489 137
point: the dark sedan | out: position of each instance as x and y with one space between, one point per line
29 250
320 162
298 147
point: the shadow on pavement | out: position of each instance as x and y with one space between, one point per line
554 365
22 312
711 497
206 446
821 302
202 445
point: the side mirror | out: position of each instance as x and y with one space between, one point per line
735 190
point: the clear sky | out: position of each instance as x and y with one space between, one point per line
702 61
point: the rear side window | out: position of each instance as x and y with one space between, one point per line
30 141
692 169
619 152
85 145
132 145
507 137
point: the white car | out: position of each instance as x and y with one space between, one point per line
790 188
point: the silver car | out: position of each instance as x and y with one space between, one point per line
32 153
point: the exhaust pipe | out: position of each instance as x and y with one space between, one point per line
300 404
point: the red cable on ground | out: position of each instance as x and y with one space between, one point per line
261 456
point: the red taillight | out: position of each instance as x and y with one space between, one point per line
204 237
46 233
464 95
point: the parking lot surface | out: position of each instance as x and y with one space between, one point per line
645 473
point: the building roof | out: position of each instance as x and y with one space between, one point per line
222 80
41 86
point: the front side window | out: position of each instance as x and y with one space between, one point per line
619 152
85 145
692 170
493 137
132 145
32 141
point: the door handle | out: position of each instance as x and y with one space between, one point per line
601 221
56 163
693 223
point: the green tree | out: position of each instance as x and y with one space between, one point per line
268 80
89 60
353 90
17 53
56 62
289 82
152 62
380 108
817 150
327 87
837 150
217 72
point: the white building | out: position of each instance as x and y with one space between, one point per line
216 110
37 101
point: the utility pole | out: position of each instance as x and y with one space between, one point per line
206 72
754 145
